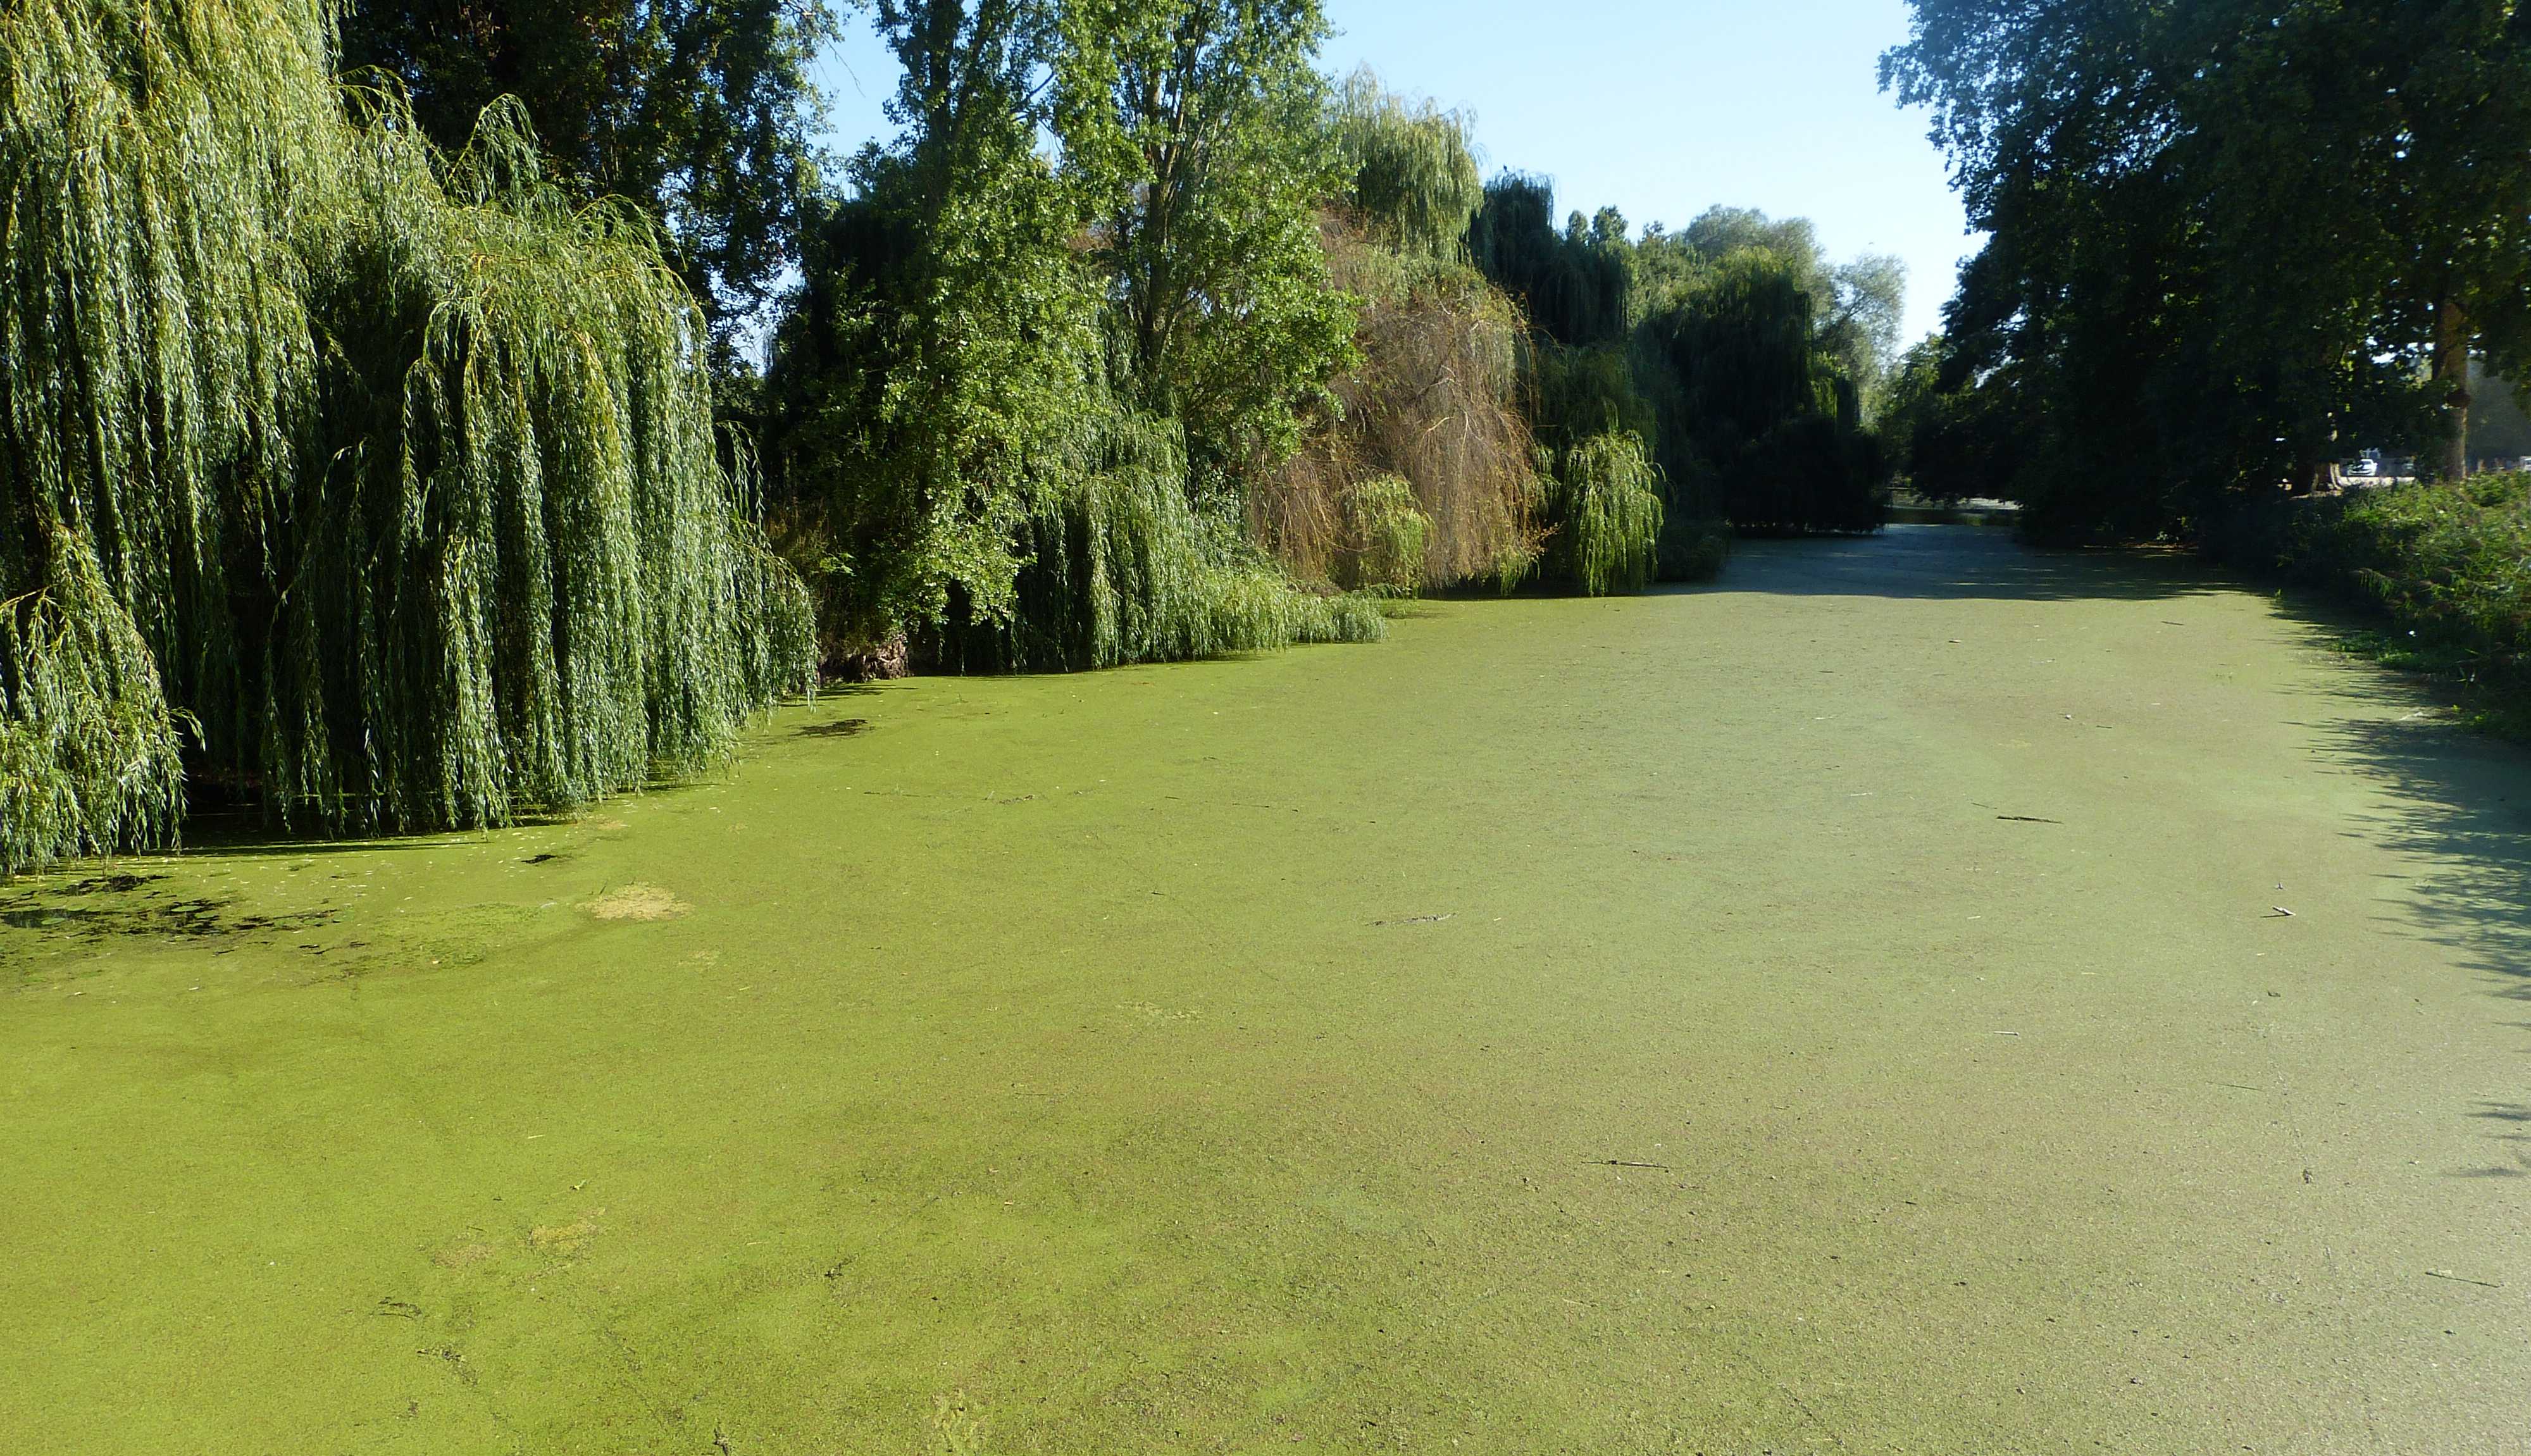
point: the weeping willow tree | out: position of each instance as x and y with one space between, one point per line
1118 568
1413 182
1419 473
1434 402
377 486
1577 286
1607 509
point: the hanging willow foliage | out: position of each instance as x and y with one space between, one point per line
1608 511
1435 399
392 474
1413 182
1118 568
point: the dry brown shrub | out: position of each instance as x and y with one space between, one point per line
1436 401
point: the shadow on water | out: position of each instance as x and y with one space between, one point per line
233 829
2456 804
1932 562
2459 806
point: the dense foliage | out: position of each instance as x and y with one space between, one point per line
2447 564
375 485
699 111
1423 440
1201 125
996 356
1732 350
2229 242
1607 514
1432 406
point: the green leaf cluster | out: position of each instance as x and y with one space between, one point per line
701 112
388 475
1098 224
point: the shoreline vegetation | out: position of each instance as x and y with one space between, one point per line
372 465
377 466
2295 244
2442 566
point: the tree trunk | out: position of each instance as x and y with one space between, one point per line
2452 371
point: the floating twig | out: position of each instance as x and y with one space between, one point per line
2460 1279
2024 819
1619 1162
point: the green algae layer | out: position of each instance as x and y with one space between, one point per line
1853 1008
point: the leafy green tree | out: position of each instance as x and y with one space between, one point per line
2226 240
387 474
1016 349
1866 302
943 334
1577 286
1764 401
702 111
1856 305
1204 121
1718 232
1733 347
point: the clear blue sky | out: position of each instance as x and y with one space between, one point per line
1658 107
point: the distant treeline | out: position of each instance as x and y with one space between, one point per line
1142 338
383 441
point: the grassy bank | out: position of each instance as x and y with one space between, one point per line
2445 566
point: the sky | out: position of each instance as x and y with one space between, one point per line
1660 109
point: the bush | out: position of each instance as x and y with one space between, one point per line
2448 563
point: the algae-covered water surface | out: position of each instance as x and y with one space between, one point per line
1915 996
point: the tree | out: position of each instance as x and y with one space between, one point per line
969 452
1764 400
2226 240
700 111
387 476
944 331
1578 289
1867 300
1732 348
1412 181
1212 116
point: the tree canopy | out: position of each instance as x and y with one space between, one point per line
1022 383
2228 240
1206 118
700 111
1733 349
